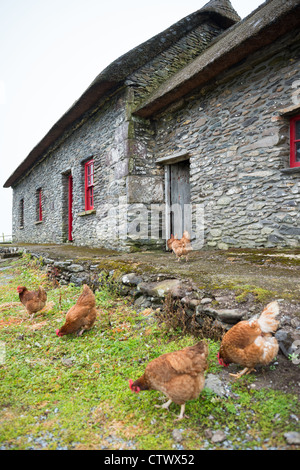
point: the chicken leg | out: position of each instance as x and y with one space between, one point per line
182 409
182 413
245 371
165 405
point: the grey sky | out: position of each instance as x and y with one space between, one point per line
50 51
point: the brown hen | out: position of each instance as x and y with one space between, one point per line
34 300
178 375
250 343
81 316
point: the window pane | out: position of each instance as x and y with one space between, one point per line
297 125
297 152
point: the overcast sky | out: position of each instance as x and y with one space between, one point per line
51 50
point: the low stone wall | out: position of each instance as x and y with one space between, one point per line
148 290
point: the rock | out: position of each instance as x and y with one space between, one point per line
208 433
206 300
142 302
230 316
203 309
177 435
131 279
75 268
61 264
190 302
216 232
224 201
292 437
215 385
80 279
222 246
286 340
176 287
218 436
67 361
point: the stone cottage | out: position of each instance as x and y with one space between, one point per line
198 128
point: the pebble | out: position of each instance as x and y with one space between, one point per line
206 300
292 437
218 436
177 435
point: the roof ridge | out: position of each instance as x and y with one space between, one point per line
223 7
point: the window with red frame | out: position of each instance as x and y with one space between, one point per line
39 207
295 141
21 207
89 185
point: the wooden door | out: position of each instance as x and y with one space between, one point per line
180 210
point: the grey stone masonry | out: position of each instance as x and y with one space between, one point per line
237 135
104 137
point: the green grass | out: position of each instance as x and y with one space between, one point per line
72 392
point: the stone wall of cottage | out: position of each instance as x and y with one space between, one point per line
103 135
238 143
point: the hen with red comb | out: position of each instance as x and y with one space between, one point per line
179 375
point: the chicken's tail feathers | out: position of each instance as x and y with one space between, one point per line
267 320
202 348
86 295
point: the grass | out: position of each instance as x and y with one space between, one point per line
72 392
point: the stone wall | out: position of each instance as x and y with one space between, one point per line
103 136
152 290
239 149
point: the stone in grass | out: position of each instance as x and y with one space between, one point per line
218 436
177 435
230 316
292 437
213 383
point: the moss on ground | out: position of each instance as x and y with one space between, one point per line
72 392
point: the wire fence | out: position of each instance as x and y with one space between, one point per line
5 238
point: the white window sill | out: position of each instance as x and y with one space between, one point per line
82 214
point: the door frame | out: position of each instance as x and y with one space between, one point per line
167 161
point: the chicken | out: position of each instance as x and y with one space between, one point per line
34 301
81 316
250 343
183 246
170 241
178 375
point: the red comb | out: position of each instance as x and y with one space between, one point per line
221 362
130 386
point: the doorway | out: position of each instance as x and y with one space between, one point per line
178 198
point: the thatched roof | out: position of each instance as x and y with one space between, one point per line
271 20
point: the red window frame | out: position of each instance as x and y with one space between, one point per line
22 213
40 205
294 141
89 185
